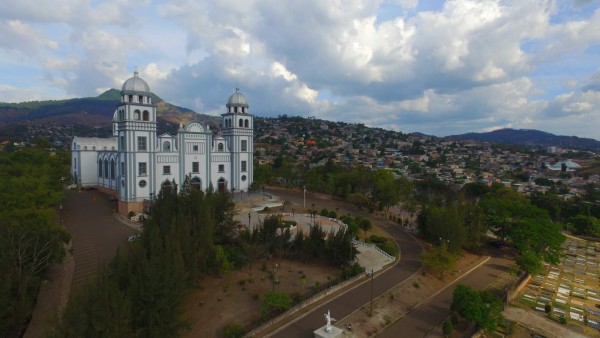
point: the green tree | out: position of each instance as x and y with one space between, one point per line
275 302
440 260
365 225
481 308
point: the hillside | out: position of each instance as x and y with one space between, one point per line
529 137
89 111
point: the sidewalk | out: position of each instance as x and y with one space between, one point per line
550 328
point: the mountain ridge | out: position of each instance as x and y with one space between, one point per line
529 137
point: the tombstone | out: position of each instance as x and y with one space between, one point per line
328 330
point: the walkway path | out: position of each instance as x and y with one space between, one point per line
548 327
95 236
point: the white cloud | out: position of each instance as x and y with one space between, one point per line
464 66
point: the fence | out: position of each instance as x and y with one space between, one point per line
329 288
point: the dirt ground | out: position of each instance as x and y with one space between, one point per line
396 302
236 298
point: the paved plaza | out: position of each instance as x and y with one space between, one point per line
249 212
571 287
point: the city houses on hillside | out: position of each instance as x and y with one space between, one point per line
134 164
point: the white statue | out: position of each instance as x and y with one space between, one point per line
329 320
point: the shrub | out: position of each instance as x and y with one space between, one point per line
275 302
233 330
324 212
332 214
447 328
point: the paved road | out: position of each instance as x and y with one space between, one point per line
96 234
359 296
424 318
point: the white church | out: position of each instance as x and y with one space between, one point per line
134 164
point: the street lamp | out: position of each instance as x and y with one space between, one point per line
293 214
273 276
248 220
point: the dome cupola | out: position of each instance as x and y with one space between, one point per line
237 100
135 84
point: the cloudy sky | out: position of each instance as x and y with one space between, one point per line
437 67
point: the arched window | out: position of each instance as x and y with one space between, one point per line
241 123
136 115
246 124
166 146
112 169
220 146
106 168
141 98
146 115
99 168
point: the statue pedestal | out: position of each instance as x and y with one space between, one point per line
321 333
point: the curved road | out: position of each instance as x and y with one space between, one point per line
353 299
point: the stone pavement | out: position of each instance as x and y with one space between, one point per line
371 259
548 327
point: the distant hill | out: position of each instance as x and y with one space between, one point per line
90 111
530 137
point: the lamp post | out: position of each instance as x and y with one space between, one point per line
293 214
248 220
313 214
61 216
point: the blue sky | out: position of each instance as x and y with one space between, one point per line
437 67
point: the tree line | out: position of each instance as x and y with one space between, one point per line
31 237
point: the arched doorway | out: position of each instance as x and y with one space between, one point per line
166 187
196 183
221 185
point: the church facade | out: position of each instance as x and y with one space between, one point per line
135 163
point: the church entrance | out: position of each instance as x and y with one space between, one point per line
196 183
222 186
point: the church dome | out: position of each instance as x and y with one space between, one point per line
237 99
135 84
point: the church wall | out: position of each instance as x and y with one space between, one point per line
89 167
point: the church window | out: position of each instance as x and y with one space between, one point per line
136 115
196 183
243 177
246 124
106 169
221 168
142 183
195 167
123 168
235 109
244 145
220 147
244 166
142 143
141 98
166 170
112 169
142 169
130 98
166 146
100 168
122 143
146 115
84 147
195 147
241 123
75 163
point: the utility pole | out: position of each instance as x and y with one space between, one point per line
371 312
